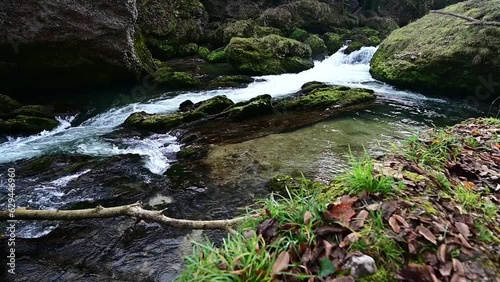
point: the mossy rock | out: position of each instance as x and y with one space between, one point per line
165 76
442 54
152 122
166 122
217 56
281 183
255 107
35 111
246 29
272 54
230 81
310 86
214 105
310 15
333 42
27 125
192 152
299 35
8 104
361 37
318 47
203 52
339 96
187 50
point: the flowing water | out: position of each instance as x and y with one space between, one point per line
319 150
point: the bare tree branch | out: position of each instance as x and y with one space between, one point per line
471 21
134 210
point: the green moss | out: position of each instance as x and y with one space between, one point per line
165 76
192 152
142 52
145 121
34 110
187 50
217 56
281 183
299 35
417 57
333 42
203 52
318 47
8 104
328 96
258 106
27 125
272 54
214 105
310 86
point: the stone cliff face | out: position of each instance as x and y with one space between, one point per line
61 43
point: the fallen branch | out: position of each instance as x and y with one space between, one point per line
471 21
134 210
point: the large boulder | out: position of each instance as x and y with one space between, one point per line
442 53
272 54
170 25
62 44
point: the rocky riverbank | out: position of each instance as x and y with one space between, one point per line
426 213
74 46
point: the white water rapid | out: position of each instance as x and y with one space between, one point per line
340 69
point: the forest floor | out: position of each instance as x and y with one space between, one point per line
426 212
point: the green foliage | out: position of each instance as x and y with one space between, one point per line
432 149
217 56
361 178
299 35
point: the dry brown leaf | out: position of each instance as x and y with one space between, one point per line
427 234
446 269
418 273
393 222
328 248
341 210
360 220
458 278
441 253
463 229
281 262
268 228
307 217
349 239
327 230
401 220
464 241
373 207
458 267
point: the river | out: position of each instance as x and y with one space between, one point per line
124 250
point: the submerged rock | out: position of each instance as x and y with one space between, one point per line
272 54
443 53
